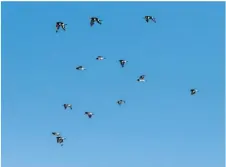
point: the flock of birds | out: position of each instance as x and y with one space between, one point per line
60 139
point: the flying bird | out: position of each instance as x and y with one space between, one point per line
60 140
89 114
81 68
141 78
123 62
100 58
193 91
120 102
147 18
56 133
95 19
60 24
67 105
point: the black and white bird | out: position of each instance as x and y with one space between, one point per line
89 114
100 58
123 62
141 78
67 105
147 18
81 68
120 102
193 91
95 19
60 24
56 133
60 140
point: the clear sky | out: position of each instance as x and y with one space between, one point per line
161 124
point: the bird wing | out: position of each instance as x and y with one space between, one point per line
63 27
91 22
58 139
99 21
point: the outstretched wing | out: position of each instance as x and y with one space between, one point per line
79 67
57 27
99 21
91 22
154 20
63 26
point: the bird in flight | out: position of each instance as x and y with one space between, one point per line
147 18
193 91
95 19
120 102
123 62
81 68
60 24
67 105
100 58
89 114
141 78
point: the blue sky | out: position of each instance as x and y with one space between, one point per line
161 125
